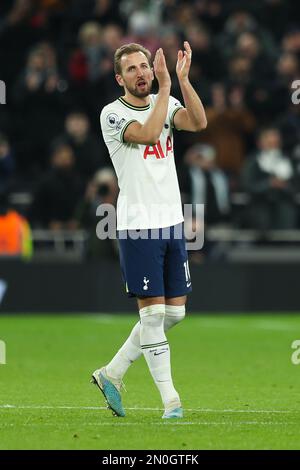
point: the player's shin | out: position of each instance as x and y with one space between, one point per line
131 350
156 351
127 354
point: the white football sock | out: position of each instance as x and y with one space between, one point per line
156 351
131 350
127 354
174 314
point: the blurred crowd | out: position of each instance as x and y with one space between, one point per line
56 58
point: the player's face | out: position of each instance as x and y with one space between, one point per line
137 75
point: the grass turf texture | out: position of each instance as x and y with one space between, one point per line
234 373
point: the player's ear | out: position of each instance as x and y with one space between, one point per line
119 79
152 74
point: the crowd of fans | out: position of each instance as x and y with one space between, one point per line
56 58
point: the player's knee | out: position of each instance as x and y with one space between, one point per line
153 315
174 314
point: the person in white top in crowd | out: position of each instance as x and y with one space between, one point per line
268 176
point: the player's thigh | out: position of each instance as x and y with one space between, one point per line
177 277
142 263
176 301
147 301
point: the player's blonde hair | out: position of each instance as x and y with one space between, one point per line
129 49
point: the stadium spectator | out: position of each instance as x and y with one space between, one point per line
102 189
89 154
15 232
12 15
184 15
209 184
103 12
141 30
106 11
241 21
153 10
7 164
268 177
239 70
58 192
230 123
275 15
291 41
288 68
289 125
170 42
16 36
205 54
90 61
39 105
90 71
112 38
248 45
211 13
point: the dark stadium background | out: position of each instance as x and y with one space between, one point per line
56 62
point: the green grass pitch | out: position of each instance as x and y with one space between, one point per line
234 373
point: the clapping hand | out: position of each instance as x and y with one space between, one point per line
184 61
160 69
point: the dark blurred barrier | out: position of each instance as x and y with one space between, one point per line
85 287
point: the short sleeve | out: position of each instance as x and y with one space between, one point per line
174 106
114 125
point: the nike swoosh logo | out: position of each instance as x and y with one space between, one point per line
158 353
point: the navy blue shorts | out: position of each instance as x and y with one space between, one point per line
155 267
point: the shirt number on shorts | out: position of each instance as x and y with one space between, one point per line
187 273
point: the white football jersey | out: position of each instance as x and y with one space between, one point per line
149 191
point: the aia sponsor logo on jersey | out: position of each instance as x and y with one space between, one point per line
158 150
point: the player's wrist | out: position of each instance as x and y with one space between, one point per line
184 80
165 86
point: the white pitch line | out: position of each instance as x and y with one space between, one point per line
199 410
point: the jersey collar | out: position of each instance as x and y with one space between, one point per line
136 108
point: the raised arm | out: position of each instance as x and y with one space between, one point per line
149 132
192 117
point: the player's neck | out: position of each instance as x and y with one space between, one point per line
135 100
